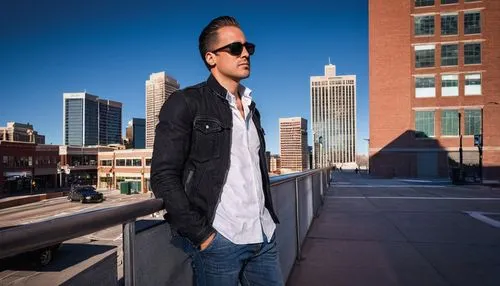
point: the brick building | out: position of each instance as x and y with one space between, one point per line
21 162
79 164
434 82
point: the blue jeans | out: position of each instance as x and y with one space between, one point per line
224 263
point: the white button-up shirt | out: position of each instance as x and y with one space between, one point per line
241 215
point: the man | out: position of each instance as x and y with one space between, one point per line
209 167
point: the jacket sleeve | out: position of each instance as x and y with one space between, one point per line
171 150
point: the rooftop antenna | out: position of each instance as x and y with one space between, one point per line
329 61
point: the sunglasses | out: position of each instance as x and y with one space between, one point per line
236 48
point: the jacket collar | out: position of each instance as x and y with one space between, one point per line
216 87
220 91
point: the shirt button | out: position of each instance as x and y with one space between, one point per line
206 126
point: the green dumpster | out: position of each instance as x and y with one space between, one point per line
124 188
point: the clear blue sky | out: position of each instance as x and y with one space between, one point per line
109 48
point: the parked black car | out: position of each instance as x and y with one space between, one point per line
34 259
85 194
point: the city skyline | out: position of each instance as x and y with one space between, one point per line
110 51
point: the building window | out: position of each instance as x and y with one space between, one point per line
120 162
424 124
424 56
449 122
106 162
5 161
472 121
472 53
148 161
449 85
425 87
449 55
472 84
472 0
422 3
424 25
449 24
449 1
472 22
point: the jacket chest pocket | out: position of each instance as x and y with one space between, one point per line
207 138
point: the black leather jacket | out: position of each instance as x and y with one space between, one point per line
191 157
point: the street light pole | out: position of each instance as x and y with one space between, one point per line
460 150
368 154
480 148
30 134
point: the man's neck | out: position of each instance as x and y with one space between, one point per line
229 84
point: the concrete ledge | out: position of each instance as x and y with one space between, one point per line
28 199
17 201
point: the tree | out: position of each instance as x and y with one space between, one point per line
362 160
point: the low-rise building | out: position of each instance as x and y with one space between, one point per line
133 165
24 163
79 164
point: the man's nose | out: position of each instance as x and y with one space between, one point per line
245 52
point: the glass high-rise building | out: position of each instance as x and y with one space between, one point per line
88 120
110 122
159 87
136 133
333 110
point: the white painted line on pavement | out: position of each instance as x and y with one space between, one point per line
481 217
388 186
415 198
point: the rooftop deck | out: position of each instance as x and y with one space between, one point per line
402 232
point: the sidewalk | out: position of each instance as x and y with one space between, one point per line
391 234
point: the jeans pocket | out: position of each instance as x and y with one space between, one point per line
212 243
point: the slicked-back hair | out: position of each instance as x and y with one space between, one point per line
208 36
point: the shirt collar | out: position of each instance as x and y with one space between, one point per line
246 96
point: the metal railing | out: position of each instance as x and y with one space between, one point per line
302 191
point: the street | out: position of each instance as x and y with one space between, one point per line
49 209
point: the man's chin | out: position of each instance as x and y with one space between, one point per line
245 74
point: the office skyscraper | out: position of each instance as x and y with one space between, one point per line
159 87
333 110
110 122
136 133
88 120
293 143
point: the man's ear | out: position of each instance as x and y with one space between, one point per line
210 59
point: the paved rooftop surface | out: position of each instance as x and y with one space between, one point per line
402 232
